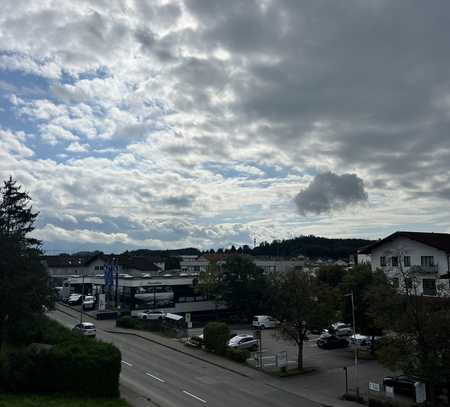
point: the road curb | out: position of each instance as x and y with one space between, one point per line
179 351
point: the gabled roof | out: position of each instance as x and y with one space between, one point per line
439 241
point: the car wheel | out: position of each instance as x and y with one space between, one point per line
144 317
263 326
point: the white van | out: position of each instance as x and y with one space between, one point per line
264 321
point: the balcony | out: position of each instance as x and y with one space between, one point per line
424 269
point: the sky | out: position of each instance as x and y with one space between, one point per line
208 123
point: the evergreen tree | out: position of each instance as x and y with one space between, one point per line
23 279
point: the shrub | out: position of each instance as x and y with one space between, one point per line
72 363
383 403
216 335
238 355
128 322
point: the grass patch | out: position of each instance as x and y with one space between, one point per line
24 400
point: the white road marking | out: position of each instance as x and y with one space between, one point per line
155 377
194 396
126 363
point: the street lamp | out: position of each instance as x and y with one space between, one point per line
82 297
355 348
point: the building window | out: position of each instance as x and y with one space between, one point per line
383 261
395 282
427 261
407 261
394 261
429 286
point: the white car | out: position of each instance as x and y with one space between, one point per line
152 315
85 329
243 342
341 329
364 342
89 302
264 321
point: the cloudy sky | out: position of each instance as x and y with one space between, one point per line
165 124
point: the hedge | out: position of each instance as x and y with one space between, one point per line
216 336
238 355
71 364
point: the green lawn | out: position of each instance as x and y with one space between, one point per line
19 400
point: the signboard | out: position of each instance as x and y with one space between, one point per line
282 359
374 386
421 394
101 302
187 317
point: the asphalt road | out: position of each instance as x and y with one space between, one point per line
168 378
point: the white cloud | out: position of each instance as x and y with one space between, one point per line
94 219
76 147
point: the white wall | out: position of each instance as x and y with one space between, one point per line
403 246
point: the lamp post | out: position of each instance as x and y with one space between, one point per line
356 348
82 298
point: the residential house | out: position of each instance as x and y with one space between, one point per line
418 258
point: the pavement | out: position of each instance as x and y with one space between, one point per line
239 382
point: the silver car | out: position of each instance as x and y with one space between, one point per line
243 342
85 329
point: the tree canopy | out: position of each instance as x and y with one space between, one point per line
243 286
23 279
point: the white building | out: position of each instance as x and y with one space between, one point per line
422 259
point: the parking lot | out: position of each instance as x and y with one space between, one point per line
327 366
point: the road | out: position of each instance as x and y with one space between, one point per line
172 379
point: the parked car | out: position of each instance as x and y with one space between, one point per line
243 342
340 329
365 342
152 315
89 302
328 341
264 321
85 329
402 384
196 341
75 299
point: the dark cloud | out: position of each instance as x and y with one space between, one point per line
329 191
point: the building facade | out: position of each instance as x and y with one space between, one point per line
413 260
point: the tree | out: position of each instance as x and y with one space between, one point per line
23 279
331 275
361 281
243 286
419 345
209 283
300 302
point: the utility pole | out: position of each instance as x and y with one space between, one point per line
356 347
117 282
82 298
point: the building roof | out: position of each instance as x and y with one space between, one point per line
66 261
439 241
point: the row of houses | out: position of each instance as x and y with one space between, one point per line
409 259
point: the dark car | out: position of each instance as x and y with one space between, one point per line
331 342
402 384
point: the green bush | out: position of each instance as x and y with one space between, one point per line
383 403
238 355
216 336
72 364
129 323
